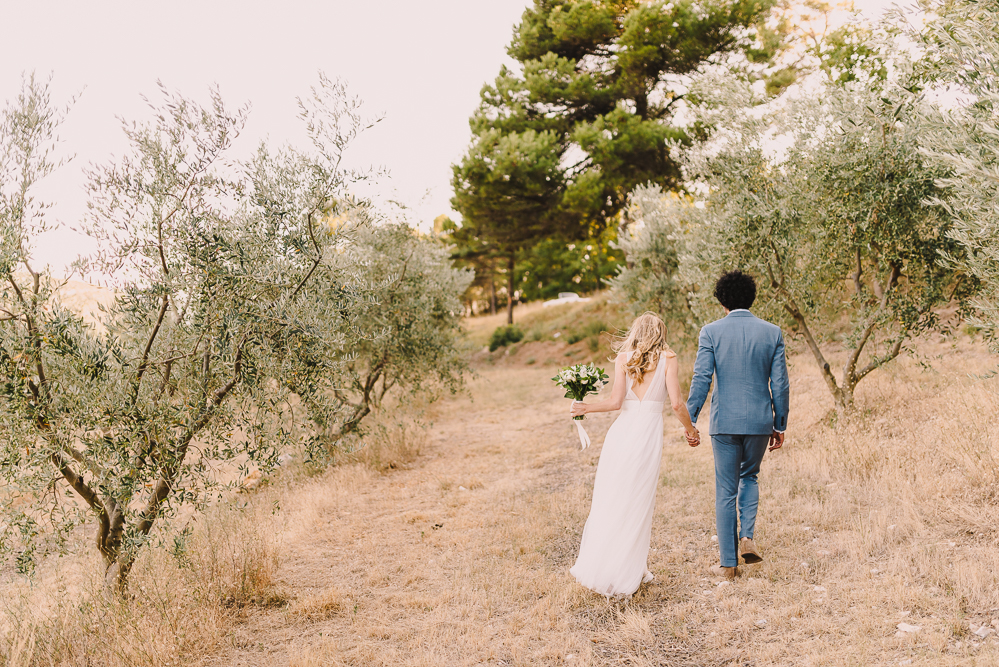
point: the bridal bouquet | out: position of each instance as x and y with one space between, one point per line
579 381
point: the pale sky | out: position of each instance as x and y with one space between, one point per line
418 64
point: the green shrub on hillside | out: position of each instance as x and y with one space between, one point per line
588 330
503 336
854 217
405 333
542 324
966 141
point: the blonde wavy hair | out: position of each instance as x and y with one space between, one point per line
644 343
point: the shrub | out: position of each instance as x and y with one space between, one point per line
837 233
390 444
590 330
655 278
503 336
963 44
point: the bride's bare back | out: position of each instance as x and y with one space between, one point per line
640 388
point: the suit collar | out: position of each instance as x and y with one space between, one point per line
740 313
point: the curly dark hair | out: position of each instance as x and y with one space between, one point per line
736 290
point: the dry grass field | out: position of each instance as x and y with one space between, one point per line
451 546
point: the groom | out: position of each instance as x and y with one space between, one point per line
748 411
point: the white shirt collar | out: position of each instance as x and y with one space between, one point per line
739 310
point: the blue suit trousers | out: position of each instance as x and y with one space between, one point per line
737 494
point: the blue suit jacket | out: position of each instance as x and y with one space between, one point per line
746 355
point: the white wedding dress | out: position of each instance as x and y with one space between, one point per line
614 551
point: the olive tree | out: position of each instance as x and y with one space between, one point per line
124 422
404 330
658 275
963 49
823 198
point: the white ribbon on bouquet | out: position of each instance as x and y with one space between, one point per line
584 439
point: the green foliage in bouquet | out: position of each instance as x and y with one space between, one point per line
580 381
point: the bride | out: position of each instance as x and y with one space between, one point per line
613 554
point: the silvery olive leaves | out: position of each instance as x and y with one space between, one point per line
229 278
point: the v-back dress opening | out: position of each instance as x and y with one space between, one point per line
614 551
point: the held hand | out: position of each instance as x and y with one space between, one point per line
776 441
693 439
578 409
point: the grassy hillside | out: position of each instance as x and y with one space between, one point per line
576 321
460 556
451 545
556 336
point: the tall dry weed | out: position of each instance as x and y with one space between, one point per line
187 594
390 442
910 484
180 601
234 557
887 517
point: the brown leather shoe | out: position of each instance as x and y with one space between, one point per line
747 549
726 572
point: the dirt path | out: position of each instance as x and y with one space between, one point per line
462 559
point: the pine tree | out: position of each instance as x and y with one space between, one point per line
506 188
602 77
558 145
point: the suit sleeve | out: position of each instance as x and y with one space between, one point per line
780 387
704 369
